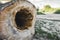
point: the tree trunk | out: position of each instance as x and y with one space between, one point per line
17 19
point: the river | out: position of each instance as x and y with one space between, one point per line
47 27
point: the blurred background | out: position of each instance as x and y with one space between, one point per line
47 6
47 26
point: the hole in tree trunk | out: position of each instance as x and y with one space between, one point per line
23 19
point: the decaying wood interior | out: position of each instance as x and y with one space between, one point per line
17 18
23 19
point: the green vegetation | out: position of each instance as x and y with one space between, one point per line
57 11
39 13
48 10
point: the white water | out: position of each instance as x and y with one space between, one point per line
47 26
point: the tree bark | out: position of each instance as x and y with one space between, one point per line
17 20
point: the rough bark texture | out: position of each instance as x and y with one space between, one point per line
17 19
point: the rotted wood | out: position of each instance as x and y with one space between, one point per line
17 19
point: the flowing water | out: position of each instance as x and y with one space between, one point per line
47 27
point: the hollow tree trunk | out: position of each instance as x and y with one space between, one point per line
17 19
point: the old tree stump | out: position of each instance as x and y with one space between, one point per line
17 19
